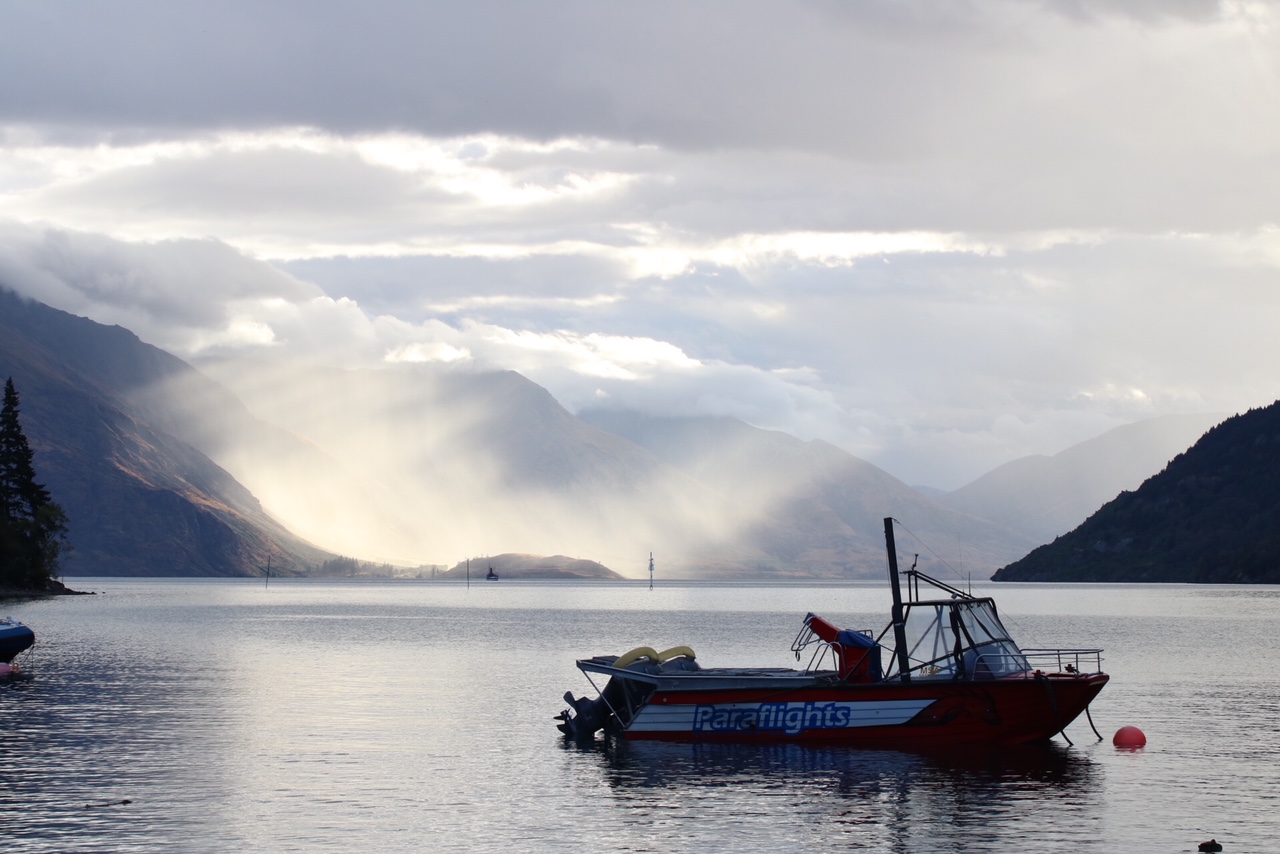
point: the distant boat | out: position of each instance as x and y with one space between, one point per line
492 576
14 638
953 677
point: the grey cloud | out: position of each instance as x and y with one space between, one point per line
832 76
165 292
542 292
940 334
978 116
303 202
1145 11
265 192
345 66
1136 122
935 366
274 184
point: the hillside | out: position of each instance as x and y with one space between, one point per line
165 471
1042 497
817 510
139 500
1212 515
473 462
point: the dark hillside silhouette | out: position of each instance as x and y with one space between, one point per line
1212 516
139 500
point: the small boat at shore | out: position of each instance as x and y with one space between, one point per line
943 673
14 638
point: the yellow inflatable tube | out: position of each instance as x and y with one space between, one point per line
676 652
653 655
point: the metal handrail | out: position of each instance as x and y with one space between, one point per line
1067 660
1031 662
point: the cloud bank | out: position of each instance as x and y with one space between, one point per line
939 236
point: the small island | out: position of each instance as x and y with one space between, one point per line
526 566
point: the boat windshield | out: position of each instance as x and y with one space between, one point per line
961 638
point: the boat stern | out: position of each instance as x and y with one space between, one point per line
633 678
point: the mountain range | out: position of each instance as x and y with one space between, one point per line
816 508
1045 496
489 462
1212 515
169 470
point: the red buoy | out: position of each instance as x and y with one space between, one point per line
1129 736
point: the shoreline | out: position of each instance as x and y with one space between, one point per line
52 588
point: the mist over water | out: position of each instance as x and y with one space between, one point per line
427 464
319 716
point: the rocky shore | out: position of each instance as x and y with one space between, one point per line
52 588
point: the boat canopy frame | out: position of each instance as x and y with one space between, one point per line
962 637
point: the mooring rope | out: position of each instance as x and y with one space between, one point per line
1053 703
1091 726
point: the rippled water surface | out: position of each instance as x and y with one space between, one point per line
411 716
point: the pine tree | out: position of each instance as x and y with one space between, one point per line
32 526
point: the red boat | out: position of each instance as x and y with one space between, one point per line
943 673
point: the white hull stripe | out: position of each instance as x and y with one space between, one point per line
788 718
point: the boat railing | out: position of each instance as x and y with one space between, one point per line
854 653
1065 660
1032 662
821 649
807 638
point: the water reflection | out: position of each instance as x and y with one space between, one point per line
910 801
100 754
650 764
315 717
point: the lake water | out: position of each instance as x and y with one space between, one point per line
412 716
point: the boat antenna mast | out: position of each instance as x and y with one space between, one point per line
899 624
650 570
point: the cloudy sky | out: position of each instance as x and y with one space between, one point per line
941 235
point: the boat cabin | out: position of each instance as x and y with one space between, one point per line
957 638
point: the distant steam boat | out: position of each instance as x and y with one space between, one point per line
953 677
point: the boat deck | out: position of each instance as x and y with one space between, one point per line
682 678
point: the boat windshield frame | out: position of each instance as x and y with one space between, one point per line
961 638
958 638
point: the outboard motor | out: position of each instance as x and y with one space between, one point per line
621 698
588 718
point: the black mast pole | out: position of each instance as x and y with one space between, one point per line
899 628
